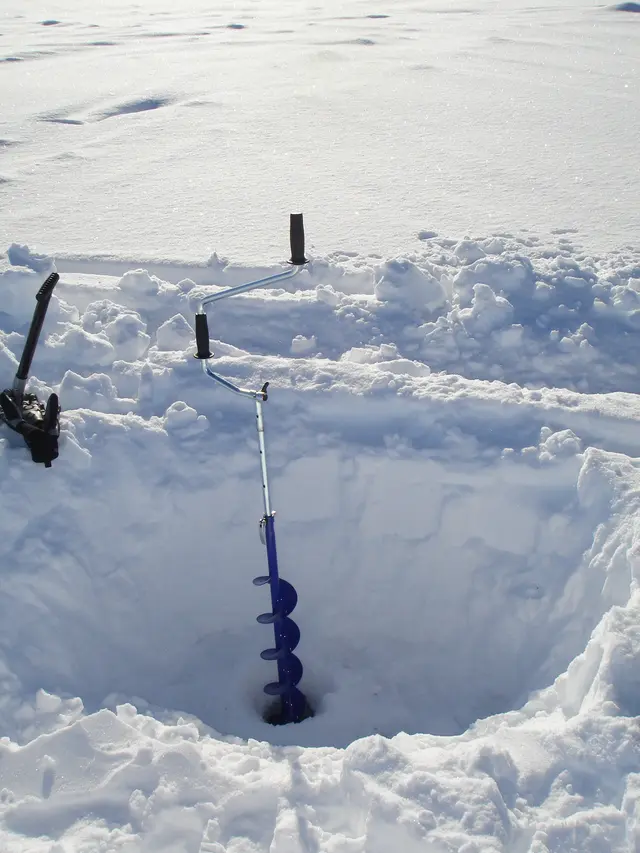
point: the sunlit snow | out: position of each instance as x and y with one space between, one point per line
452 426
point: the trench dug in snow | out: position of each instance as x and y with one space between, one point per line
432 592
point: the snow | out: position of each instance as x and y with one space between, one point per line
451 427
173 130
464 551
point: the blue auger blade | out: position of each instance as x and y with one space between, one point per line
292 672
289 637
297 708
287 593
274 654
287 598
289 633
289 708
287 601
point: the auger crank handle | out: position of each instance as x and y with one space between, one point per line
296 232
298 260
202 337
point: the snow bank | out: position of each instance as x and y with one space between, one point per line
465 553
518 311
431 591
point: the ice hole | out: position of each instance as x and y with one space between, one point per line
432 592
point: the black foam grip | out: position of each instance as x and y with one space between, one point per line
202 336
297 240
47 288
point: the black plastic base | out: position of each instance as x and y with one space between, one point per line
36 423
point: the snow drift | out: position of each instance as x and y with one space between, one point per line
433 592
465 552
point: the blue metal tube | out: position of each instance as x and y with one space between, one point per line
274 583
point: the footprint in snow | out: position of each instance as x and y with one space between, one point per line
61 120
141 105
28 55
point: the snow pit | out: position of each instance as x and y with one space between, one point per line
434 591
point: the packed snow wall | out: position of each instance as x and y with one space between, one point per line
433 590
452 541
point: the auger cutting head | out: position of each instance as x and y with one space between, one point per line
38 423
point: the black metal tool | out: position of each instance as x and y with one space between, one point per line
38 423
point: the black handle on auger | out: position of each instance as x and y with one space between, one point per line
43 297
202 337
296 231
47 288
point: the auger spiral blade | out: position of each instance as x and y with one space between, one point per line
289 637
293 704
291 675
287 599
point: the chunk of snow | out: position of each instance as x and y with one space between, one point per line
468 251
180 417
487 313
22 256
175 334
402 282
301 345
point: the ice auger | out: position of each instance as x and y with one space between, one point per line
36 422
293 706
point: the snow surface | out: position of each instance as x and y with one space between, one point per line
452 427
464 550
169 127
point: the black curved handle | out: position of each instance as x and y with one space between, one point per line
296 230
43 296
202 337
47 288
